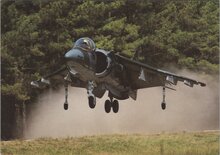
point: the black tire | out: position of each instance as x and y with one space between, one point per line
115 106
108 106
163 105
92 102
65 106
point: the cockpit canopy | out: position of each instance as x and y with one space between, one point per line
86 44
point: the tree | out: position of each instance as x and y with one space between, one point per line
36 34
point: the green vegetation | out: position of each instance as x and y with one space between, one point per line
158 144
35 34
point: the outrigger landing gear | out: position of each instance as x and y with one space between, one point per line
65 106
111 104
163 104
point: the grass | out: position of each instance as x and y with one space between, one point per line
206 143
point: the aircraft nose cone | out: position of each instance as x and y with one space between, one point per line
74 55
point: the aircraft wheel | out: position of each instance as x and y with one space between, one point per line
92 102
65 106
115 106
163 105
108 106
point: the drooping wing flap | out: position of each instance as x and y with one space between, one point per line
147 76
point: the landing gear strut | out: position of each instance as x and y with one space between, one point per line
111 104
65 106
163 104
91 96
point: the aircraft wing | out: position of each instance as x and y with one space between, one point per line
140 75
45 80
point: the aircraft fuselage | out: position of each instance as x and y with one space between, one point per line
99 67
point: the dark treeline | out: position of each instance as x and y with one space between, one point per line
35 34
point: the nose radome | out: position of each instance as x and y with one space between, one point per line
74 54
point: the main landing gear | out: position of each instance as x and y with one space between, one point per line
111 104
91 96
163 104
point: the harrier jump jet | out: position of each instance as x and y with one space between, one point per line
99 71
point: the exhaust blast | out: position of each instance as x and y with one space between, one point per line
188 109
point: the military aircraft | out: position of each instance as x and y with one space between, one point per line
99 71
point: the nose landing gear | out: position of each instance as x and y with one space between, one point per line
92 102
91 96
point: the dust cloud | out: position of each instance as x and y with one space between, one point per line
188 109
